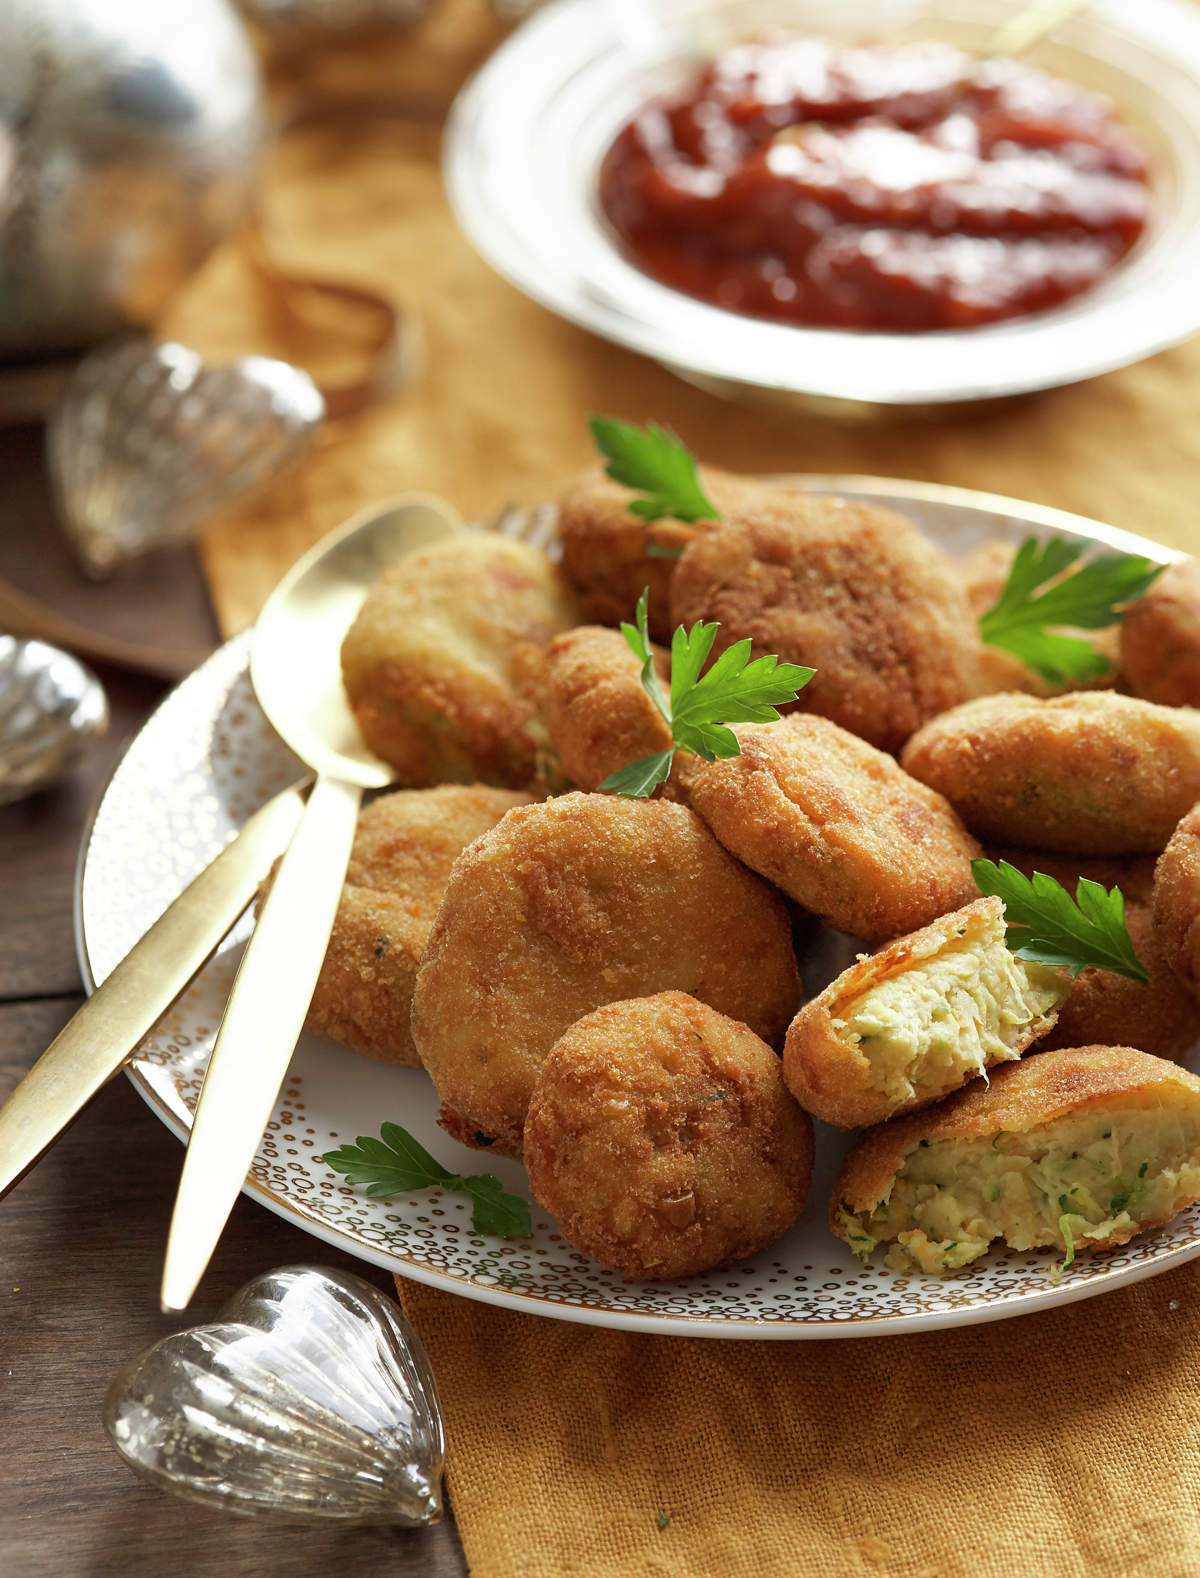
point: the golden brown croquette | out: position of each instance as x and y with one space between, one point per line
1159 1016
404 847
907 1025
1176 904
1078 1148
849 589
661 1136
577 902
596 710
837 825
1092 773
441 665
1160 638
610 555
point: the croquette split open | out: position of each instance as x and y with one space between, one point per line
1070 1149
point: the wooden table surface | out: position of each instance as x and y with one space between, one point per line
81 1238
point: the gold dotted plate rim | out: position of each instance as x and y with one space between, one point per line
207 758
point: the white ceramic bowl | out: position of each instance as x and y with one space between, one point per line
527 136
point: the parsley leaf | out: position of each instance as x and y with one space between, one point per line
1090 599
641 778
1045 926
653 462
395 1164
734 690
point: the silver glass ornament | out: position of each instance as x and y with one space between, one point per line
129 134
150 441
309 1398
50 707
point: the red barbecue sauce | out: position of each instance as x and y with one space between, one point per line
876 187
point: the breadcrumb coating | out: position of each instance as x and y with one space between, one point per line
837 825
573 903
1176 905
849 589
595 706
605 546
404 847
1160 638
662 1137
1091 773
441 665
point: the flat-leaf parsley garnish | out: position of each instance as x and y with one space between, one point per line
734 690
1039 596
1046 926
396 1164
654 463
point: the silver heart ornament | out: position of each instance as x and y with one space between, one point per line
309 1398
51 706
149 441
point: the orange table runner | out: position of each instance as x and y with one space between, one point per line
1059 1444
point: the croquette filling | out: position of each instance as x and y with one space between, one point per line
931 1027
1093 1179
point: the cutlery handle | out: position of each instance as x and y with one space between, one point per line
258 1034
94 1044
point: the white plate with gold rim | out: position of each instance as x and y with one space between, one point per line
207 758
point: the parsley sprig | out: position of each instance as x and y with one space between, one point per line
1047 926
734 690
653 462
1035 600
396 1164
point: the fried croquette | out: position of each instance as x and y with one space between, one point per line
442 663
610 555
984 574
404 847
837 825
577 902
1176 905
595 707
849 589
1159 1016
1092 773
1160 638
1078 1148
907 1025
661 1136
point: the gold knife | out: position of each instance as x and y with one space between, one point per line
296 670
107 1029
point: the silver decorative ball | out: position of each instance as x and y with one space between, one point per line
51 707
129 135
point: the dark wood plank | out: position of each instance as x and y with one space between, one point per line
39 843
156 605
81 1241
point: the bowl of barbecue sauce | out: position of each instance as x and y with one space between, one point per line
864 211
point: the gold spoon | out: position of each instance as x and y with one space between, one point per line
296 670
